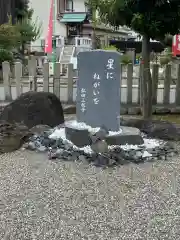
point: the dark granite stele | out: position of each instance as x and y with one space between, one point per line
81 137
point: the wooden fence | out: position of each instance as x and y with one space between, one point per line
15 84
165 94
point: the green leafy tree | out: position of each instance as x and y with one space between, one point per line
9 40
29 31
22 9
167 41
10 36
93 4
13 37
153 19
15 8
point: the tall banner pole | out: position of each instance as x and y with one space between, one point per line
48 41
49 47
54 35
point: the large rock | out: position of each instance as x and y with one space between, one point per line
39 129
154 128
35 108
12 136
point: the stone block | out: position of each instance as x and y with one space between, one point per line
123 111
80 137
162 110
134 110
175 110
70 109
127 135
153 110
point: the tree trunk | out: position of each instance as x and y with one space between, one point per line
146 79
93 38
22 51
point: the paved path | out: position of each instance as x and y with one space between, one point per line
45 200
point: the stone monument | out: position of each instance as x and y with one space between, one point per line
98 89
98 101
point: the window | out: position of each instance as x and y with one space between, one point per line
42 42
58 7
53 43
88 9
69 5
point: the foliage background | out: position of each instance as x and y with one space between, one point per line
18 31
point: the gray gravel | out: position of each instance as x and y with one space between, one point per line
41 199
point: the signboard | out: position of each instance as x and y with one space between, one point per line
98 89
73 29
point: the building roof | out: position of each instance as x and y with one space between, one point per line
72 17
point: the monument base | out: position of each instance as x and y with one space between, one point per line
81 136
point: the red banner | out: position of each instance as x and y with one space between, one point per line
176 45
48 42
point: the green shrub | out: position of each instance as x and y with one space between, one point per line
165 60
9 36
5 55
125 59
111 47
138 55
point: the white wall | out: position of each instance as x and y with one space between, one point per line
79 5
41 12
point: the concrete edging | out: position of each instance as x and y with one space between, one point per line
131 110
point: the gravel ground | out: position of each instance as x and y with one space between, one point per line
41 199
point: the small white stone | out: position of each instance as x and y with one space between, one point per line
41 149
138 154
163 157
60 133
171 154
146 154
